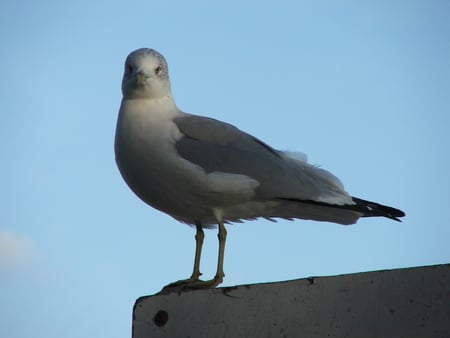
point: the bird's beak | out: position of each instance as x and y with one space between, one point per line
141 76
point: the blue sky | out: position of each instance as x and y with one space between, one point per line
361 87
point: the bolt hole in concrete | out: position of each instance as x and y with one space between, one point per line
161 317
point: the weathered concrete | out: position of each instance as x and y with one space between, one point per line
413 302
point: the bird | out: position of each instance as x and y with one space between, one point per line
208 173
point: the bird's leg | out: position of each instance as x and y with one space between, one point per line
222 236
199 236
194 282
218 278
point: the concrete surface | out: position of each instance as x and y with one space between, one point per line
412 302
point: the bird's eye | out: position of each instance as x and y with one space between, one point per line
158 70
129 69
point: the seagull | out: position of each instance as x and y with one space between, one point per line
208 173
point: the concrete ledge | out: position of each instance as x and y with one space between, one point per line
413 302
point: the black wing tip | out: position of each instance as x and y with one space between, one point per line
372 209
396 217
363 207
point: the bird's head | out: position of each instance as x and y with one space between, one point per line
146 75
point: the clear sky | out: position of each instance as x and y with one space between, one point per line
362 87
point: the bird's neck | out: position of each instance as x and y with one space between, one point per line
162 105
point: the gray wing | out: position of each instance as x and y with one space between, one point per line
220 147
305 191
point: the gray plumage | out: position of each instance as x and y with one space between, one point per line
265 182
206 172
